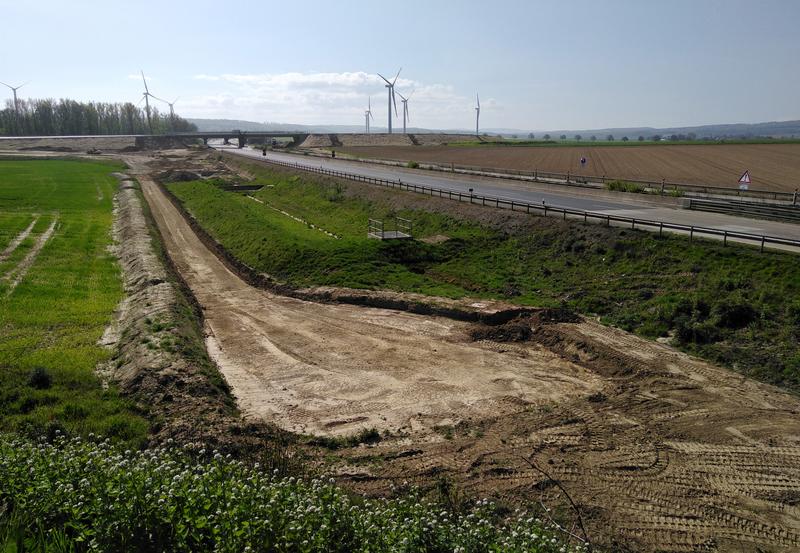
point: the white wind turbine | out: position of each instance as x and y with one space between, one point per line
477 115
406 116
16 104
368 113
146 95
390 86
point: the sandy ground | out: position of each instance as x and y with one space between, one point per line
772 166
336 369
660 451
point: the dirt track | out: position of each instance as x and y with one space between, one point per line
665 452
773 166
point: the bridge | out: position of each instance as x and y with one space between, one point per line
240 136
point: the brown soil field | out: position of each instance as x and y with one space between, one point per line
659 451
772 166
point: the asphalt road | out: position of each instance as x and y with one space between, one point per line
666 210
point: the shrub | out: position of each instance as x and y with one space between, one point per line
40 379
624 186
734 314
412 165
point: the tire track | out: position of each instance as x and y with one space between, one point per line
14 244
15 275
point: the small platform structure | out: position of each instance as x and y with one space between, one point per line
402 230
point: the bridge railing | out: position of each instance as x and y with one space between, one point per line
516 205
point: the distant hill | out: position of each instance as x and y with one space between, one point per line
783 129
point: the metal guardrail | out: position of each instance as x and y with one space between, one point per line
516 205
591 181
778 212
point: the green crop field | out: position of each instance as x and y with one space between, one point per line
731 305
58 293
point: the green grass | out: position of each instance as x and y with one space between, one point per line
84 496
732 305
53 319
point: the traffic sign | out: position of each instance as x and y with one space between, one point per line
744 180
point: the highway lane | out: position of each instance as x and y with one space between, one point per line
626 205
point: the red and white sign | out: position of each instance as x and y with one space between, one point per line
744 180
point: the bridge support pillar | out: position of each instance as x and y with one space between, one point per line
242 140
205 141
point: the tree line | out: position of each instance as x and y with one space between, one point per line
49 117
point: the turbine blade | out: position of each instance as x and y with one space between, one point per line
23 84
384 78
478 98
145 82
370 116
394 101
140 100
175 101
395 77
8 85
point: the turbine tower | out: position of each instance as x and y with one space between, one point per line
390 87
477 115
147 96
406 116
368 113
16 104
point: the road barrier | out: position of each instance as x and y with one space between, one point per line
543 208
780 212
661 187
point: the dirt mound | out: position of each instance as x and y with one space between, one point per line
178 175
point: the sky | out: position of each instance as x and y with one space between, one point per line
537 65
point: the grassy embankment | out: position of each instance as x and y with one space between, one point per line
51 321
731 305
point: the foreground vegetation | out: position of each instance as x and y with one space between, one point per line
52 320
731 305
76 495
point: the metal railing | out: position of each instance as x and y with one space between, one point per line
517 205
586 181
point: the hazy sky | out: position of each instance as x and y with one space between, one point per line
536 64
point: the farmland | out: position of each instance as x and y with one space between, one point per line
59 286
772 166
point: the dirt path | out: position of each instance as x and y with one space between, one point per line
335 369
662 452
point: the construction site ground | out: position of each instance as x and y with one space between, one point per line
659 451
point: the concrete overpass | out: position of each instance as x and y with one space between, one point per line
240 136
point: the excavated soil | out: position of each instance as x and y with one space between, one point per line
658 450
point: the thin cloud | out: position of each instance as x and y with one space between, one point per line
336 98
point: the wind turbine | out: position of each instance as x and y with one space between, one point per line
147 96
390 87
477 115
16 104
406 116
368 113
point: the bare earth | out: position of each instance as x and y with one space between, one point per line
660 450
772 166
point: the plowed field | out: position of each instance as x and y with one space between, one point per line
772 166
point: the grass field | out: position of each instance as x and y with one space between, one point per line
58 293
730 305
772 166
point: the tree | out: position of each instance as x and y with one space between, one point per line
563 137
624 138
641 138
691 136
593 138
530 136
578 137
610 138
673 137
514 136
546 137
655 138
